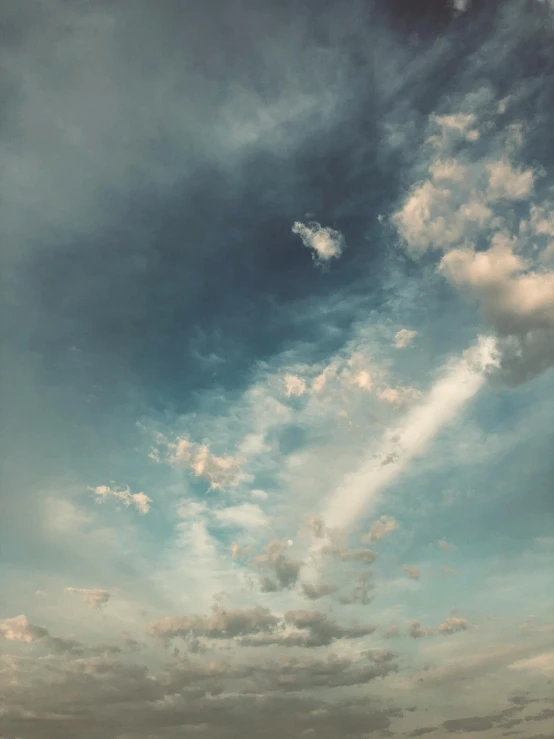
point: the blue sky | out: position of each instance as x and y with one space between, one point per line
276 378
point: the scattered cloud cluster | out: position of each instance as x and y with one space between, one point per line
486 216
219 471
140 501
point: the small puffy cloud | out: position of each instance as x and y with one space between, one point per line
404 338
453 624
445 546
417 631
140 501
413 572
325 243
294 386
246 515
93 597
392 632
381 528
19 629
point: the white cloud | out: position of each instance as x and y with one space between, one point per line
508 183
513 297
259 494
93 597
139 500
246 515
294 385
446 546
404 338
325 243
363 380
509 280
320 382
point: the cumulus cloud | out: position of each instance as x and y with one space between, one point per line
404 338
494 254
294 386
140 501
19 629
325 243
93 597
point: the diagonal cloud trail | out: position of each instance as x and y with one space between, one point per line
460 382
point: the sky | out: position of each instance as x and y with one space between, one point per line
276 378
